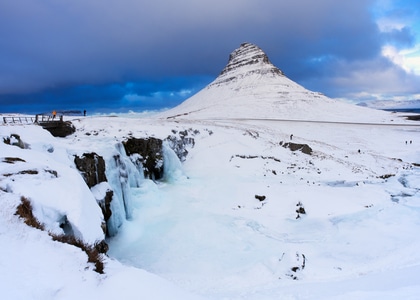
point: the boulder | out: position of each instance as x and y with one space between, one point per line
302 147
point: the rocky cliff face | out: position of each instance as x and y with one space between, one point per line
144 155
59 128
180 141
151 156
92 167
246 60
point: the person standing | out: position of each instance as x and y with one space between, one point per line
54 113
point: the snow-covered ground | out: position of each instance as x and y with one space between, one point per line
201 232
243 217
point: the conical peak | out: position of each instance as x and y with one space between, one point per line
249 54
251 57
250 87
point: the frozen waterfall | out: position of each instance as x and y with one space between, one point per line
126 172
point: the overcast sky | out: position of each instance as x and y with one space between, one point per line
120 55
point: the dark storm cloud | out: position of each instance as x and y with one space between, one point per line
51 47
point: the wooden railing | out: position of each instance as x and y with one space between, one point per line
38 119
47 118
19 120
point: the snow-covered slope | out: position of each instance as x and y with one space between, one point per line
250 86
203 229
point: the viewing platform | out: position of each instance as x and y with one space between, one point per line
55 125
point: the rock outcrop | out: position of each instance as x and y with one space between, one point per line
295 147
92 168
179 143
15 140
59 128
151 155
246 60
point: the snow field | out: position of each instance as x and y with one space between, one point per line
224 240
202 228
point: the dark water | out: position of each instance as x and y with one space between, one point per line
410 110
65 113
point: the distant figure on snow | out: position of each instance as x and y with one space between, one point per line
291 136
54 113
84 113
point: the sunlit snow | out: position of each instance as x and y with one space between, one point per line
202 227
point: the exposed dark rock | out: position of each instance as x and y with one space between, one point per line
255 156
386 176
32 172
12 160
15 140
181 143
261 198
101 247
52 172
301 263
248 54
106 204
295 147
150 150
300 210
413 118
59 128
92 167
29 172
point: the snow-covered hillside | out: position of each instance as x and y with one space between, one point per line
268 203
250 86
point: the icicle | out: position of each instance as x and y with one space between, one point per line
122 173
125 172
172 166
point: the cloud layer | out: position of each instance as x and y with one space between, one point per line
163 49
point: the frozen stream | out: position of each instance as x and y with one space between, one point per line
203 228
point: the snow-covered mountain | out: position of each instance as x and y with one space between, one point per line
269 191
250 86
